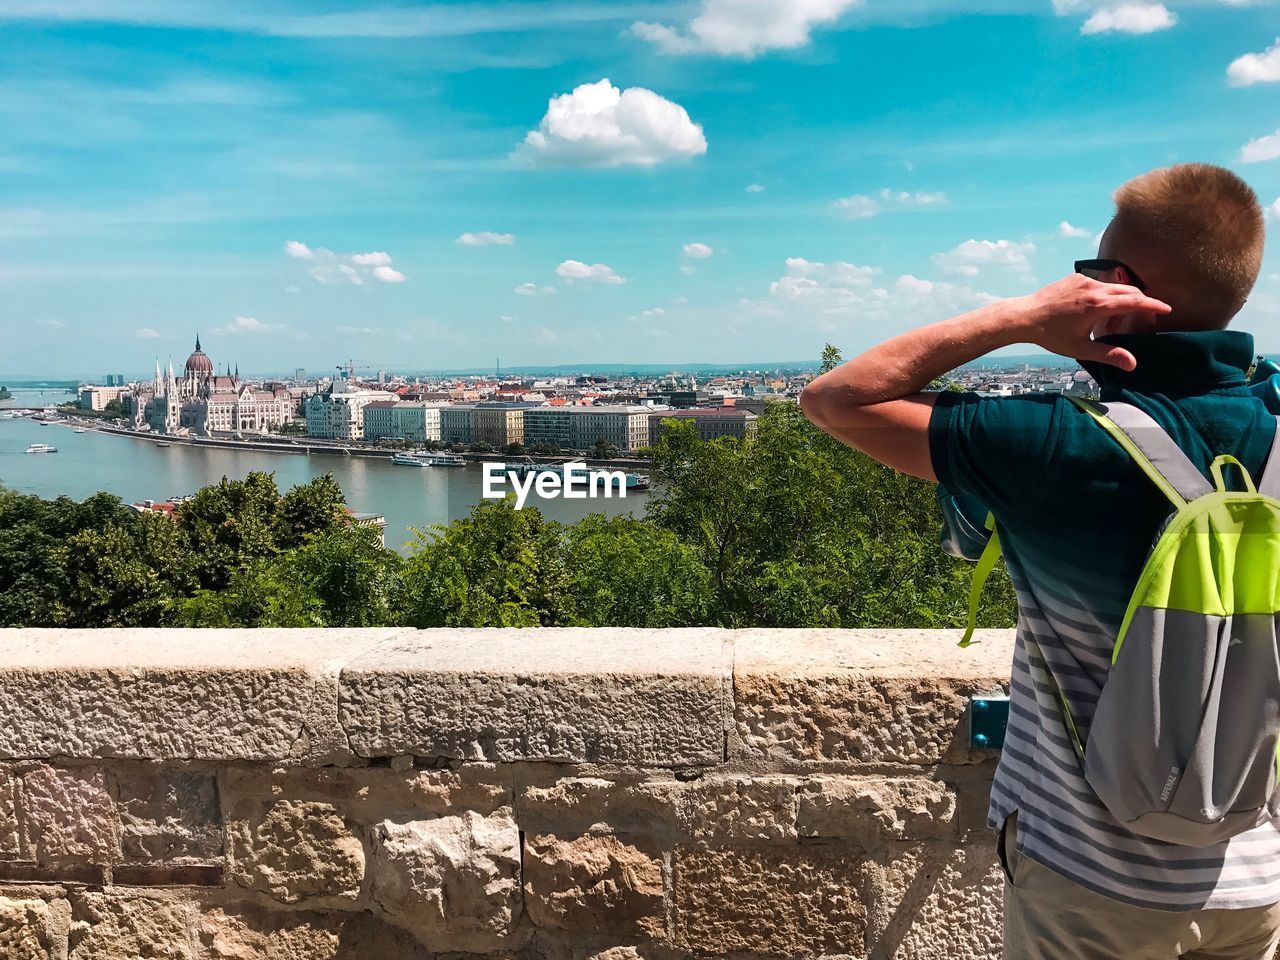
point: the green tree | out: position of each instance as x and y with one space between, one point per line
88 563
796 529
626 572
603 450
341 577
230 524
311 508
831 358
497 567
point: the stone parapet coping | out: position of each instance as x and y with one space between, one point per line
632 697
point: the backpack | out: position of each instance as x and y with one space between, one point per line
1185 744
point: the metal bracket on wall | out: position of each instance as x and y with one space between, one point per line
988 720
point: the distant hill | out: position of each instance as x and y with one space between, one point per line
1036 360
623 369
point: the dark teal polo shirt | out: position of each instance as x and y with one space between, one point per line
1077 519
1067 499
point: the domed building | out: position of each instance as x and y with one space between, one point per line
205 403
198 364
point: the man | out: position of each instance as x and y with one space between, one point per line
1077 518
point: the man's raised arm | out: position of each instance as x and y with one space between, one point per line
875 401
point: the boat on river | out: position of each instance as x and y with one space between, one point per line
429 459
42 448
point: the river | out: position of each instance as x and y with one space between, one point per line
136 469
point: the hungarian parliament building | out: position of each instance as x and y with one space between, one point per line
202 402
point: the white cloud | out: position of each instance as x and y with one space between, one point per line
857 207
248 325
486 238
1065 229
1130 18
599 125
698 251
1256 67
969 258
147 333
533 290
755 188
860 206
837 293
356 331
1263 148
745 28
545 335
572 270
50 324
338 268
822 286
1274 209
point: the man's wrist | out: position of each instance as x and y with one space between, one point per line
1004 323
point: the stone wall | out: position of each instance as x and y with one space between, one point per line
559 794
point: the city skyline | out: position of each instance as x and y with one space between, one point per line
430 186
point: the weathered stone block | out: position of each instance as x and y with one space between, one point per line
454 882
936 902
786 902
876 810
26 930
248 933
168 815
894 696
601 884
297 850
644 697
68 816
482 787
628 804
10 838
741 808
108 926
175 694
243 932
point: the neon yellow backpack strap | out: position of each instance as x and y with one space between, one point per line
986 563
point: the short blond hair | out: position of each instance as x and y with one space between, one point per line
1207 225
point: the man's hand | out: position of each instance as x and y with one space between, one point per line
874 402
1064 317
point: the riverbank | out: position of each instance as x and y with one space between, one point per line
310 446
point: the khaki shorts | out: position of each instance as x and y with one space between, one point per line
1048 917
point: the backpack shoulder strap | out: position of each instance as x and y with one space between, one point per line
1151 449
986 563
1269 485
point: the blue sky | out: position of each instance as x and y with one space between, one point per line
429 186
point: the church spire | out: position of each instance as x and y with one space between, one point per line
197 341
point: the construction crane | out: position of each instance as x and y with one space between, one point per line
348 369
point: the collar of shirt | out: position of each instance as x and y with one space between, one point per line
1177 363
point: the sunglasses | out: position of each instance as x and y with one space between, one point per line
1098 269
